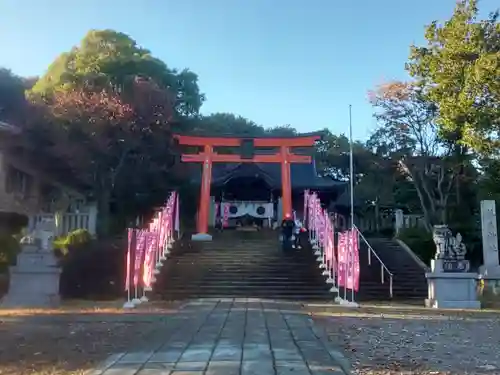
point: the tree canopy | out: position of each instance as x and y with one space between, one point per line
106 59
458 70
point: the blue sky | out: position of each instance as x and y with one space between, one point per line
274 61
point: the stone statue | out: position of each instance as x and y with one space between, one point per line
450 283
458 248
447 246
28 239
441 235
42 236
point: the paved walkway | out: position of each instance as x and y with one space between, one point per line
232 337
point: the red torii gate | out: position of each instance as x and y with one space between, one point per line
284 156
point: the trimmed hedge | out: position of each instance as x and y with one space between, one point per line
94 270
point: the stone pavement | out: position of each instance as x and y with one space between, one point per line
233 337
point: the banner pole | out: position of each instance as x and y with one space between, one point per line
351 171
346 273
131 248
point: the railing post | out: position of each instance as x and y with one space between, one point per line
92 219
390 285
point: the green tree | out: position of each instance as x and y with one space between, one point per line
489 181
105 111
117 148
332 156
408 136
109 59
12 100
224 124
282 131
458 70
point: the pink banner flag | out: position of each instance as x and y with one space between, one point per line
130 253
349 263
322 227
139 253
330 246
161 233
342 259
310 213
147 273
314 208
144 246
355 260
306 206
333 259
177 225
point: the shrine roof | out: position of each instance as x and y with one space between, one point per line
303 176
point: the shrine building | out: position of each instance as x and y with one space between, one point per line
254 181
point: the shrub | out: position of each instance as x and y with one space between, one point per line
94 269
77 237
11 226
420 241
9 248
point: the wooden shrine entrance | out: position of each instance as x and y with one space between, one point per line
247 154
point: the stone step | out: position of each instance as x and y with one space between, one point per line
408 277
228 267
234 263
248 291
245 278
292 298
242 269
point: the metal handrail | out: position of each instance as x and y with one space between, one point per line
382 264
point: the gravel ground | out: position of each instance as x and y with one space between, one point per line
71 341
415 341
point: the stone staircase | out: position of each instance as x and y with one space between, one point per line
241 264
409 283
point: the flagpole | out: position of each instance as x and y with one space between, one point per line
351 172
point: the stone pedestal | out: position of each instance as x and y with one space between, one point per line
451 290
34 281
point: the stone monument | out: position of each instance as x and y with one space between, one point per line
450 284
490 270
491 266
34 280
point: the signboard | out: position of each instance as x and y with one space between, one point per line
247 149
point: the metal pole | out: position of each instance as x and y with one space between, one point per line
351 171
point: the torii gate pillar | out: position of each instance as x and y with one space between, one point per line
284 156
